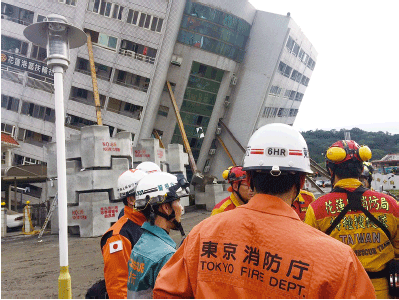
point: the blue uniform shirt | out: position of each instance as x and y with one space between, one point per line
151 252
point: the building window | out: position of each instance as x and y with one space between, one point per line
283 112
284 69
298 97
311 64
85 96
293 112
23 160
14 45
9 103
163 110
32 137
275 90
292 95
7 128
68 2
77 122
102 39
16 14
144 20
38 111
269 112
124 108
40 18
102 71
132 80
305 80
138 51
287 71
106 9
38 53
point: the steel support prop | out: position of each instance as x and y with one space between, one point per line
226 150
94 80
197 176
156 134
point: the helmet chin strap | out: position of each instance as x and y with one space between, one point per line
169 218
239 195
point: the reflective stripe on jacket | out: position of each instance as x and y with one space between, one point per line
149 255
301 203
369 242
270 253
116 246
226 204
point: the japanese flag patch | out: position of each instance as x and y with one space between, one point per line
115 247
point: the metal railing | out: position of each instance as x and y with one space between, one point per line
40 84
137 56
15 20
87 72
135 115
130 85
13 76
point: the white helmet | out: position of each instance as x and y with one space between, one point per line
127 182
277 147
148 167
160 187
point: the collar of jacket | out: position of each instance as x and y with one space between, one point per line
134 215
348 183
236 201
159 232
271 205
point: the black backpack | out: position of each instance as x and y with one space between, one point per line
391 272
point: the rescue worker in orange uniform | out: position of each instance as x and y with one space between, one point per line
117 243
240 191
301 203
270 253
373 246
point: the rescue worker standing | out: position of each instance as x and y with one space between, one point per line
348 211
240 191
118 241
270 253
302 202
158 198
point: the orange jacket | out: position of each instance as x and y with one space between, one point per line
301 203
226 204
116 246
270 253
367 240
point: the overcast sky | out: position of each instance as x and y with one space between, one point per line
356 79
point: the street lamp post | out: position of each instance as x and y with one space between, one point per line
58 36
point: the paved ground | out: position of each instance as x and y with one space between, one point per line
30 269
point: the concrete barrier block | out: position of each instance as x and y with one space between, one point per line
93 216
214 193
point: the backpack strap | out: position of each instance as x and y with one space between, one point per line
354 203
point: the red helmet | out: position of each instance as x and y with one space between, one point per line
345 150
234 174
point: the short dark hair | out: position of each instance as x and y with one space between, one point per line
348 169
265 183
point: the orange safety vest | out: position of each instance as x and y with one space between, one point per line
301 203
270 253
369 242
116 246
226 204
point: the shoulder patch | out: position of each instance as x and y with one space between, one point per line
115 246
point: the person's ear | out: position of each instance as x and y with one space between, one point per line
248 180
302 180
167 209
235 186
